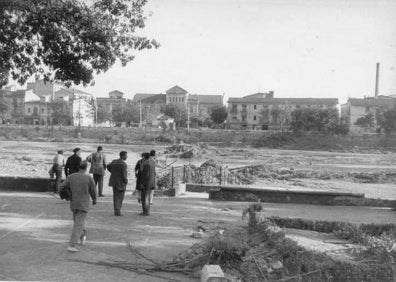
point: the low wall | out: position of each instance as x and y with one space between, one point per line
233 193
27 184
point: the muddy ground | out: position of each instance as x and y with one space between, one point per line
372 174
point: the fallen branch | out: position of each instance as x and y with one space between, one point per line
259 268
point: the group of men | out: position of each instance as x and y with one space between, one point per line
83 187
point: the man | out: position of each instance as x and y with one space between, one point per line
118 180
138 174
82 187
148 184
73 162
98 168
57 167
152 159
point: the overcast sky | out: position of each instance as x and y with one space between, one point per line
296 48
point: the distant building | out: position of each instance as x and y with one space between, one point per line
33 105
198 104
263 111
115 99
357 108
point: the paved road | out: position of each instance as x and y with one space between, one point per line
35 228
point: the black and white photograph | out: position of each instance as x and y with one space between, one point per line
198 140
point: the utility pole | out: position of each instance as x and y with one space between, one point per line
188 117
377 80
140 113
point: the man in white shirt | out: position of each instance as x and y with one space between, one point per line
57 167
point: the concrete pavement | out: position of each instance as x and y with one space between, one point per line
35 229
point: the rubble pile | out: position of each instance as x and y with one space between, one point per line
263 252
186 151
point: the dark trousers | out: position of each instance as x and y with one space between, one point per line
118 197
145 195
98 178
57 169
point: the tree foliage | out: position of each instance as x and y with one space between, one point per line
128 113
219 114
102 115
68 40
312 119
60 113
5 108
366 121
178 112
388 121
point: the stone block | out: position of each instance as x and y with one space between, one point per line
212 273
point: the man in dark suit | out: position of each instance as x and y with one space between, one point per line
73 162
118 180
147 183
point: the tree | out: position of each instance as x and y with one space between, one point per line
128 113
366 121
388 121
102 115
311 119
178 112
60 113
219 114
68 40
5 108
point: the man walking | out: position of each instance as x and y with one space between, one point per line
82 188
57 167
98 168
73 162
153 160
147 184
118 180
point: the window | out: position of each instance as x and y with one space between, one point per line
28 110
255 107
42 110
182 99
254 117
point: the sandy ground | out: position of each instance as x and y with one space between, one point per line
19 158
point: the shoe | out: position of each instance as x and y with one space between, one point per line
144 214
72 249
101 195
118 214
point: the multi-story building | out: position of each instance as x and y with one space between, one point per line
115 99
263 111
357 108
34 105
197 104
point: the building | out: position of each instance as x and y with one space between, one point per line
115 99
35 104
263 111
357 108
197 104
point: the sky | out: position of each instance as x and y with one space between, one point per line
296 48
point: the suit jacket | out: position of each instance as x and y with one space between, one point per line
82 186
98 163
72 164
119 174
148 175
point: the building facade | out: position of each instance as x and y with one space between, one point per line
198 105
357 108
115 99
35 104
263 111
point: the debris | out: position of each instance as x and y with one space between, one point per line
212 272
197 235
